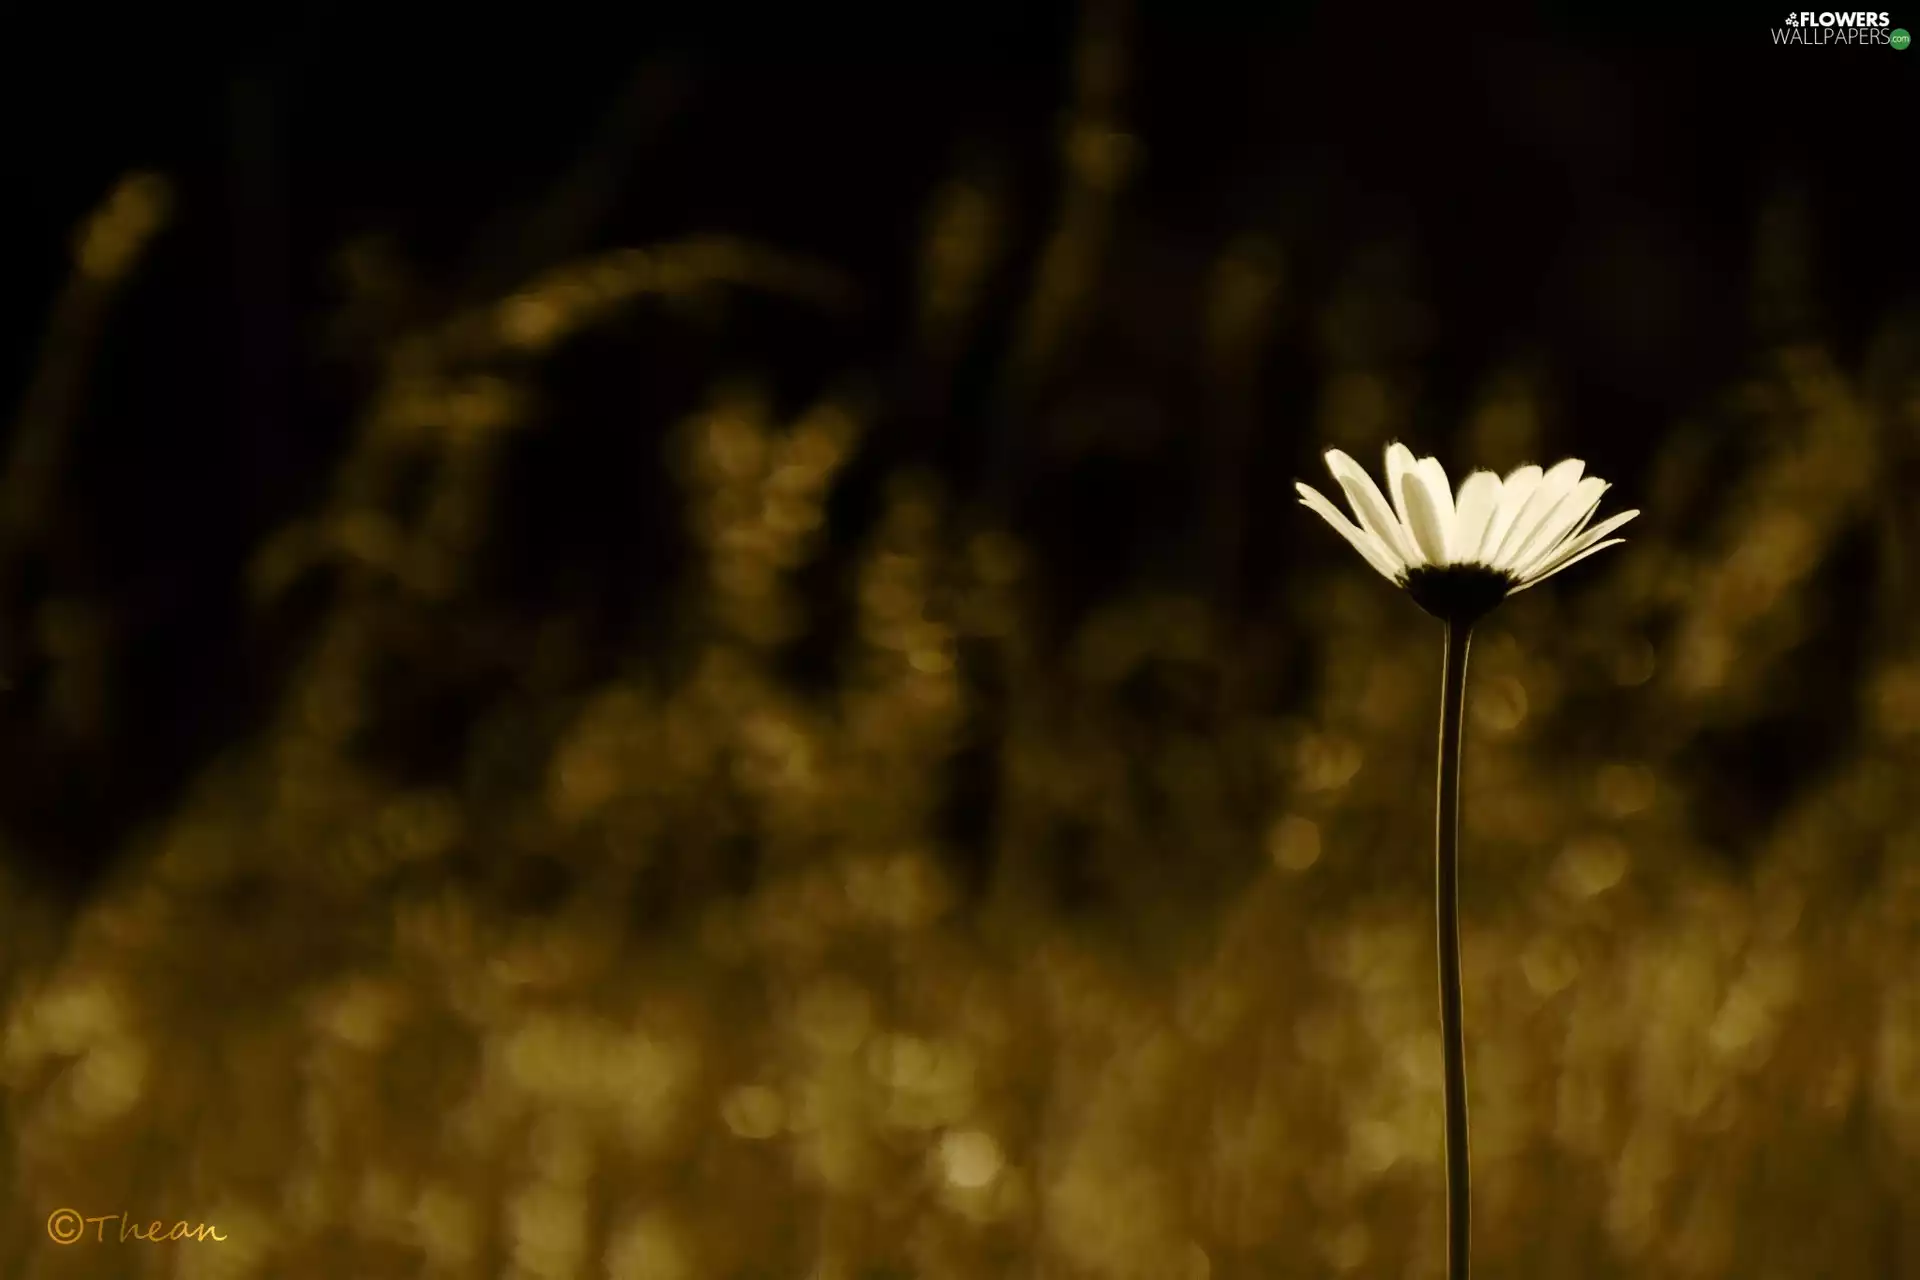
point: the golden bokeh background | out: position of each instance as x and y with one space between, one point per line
990 938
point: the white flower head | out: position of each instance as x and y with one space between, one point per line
1459 555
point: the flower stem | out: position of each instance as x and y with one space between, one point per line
1446 842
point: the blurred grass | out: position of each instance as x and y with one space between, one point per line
1000 952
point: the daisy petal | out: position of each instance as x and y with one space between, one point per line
1400 464
1440 489
1554 486
1576 546
1365 543
1479 499
1570 560
1572 511
1423 513
1550 549
1364 496
1514 492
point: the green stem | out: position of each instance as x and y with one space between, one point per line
1453 697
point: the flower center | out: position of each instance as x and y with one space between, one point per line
1458 592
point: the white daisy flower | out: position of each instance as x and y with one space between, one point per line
1459 555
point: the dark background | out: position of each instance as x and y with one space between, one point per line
1569 193
1055 897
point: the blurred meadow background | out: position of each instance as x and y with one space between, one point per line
687 654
